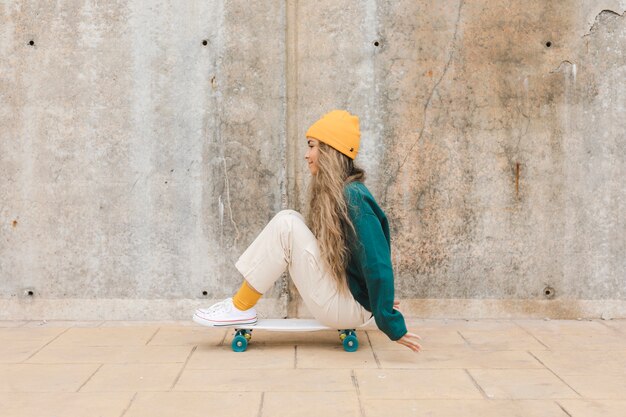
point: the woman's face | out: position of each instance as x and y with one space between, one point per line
312 154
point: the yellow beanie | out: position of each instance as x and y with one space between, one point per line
338 129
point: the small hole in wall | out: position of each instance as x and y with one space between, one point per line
31 43
548 44
205 293
376 43
205 42
548 292
30 293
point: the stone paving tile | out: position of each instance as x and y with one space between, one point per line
17 351
62 323
201 336
19 343
486 367
575 334
616 324
418 383
12 323
611 387
594 408
584 342
464 408
255 357
334 357
133 377
27 335
521 384
48 404
461 358
195 404
110 336
571 327
265 380
509 339
431 339
111 354
460 324
149 323
310 404
589 362
44 378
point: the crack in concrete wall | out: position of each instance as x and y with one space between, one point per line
603 18
393 176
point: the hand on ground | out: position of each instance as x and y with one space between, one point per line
410 340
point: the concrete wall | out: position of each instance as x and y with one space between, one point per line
145 144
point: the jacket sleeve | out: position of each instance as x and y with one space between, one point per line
374 257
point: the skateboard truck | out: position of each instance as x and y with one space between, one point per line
350 342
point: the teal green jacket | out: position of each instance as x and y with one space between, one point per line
369 270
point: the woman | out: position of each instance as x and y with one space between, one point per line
339 257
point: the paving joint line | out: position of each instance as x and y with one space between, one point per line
252 391
467 342
89 379
355 383
98 362
132 400
373 352
476 384
533 336
536 358
260 413
183 367
563 408
152 337
556 375
39 350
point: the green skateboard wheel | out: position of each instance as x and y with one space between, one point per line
350 342
240 343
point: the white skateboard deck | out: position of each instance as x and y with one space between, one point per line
243 332
283 325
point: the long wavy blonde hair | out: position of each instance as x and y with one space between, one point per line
327 215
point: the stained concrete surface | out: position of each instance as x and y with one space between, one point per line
144 145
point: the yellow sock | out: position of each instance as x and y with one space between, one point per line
246 297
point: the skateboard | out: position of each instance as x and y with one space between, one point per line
243 333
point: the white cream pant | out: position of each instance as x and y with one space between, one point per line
287 242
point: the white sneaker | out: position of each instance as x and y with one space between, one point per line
224 313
